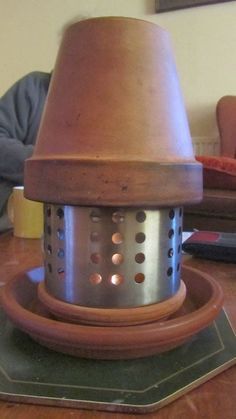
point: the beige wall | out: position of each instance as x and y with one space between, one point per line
204 40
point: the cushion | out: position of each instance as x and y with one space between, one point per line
218 172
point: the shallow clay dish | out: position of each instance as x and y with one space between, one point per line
111 317
202 304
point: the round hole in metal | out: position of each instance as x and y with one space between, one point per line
140 257
117 259
139 278
171 233
95 278
48 212
60 234
60 213
116 279
95 216
95 258
118 217
172 214
170 271
94 236
140 237
61 273
140 216
49 249
117 238
60 253
170 253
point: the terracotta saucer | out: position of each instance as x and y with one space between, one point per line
202 304
111 317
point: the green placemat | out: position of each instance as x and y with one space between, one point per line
30 372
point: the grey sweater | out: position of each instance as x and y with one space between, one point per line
20 113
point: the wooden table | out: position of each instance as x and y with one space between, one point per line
214 399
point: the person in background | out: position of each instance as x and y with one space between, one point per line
21 109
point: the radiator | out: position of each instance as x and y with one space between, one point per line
206 146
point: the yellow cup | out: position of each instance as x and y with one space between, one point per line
25 215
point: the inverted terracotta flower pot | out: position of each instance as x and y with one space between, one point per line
114 131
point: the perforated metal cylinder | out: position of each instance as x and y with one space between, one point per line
112 257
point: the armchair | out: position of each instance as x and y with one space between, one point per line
226 121
217 211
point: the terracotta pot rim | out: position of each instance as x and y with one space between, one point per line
84 182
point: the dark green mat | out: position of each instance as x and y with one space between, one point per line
32 373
